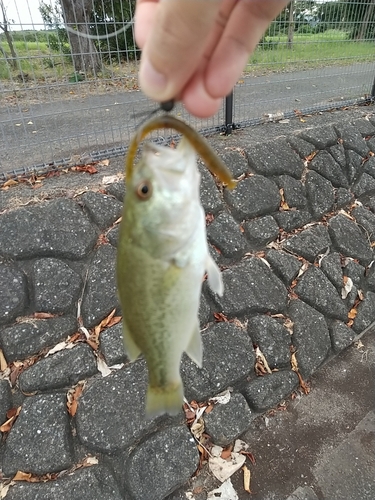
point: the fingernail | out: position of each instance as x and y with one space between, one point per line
152 82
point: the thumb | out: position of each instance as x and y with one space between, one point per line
173 49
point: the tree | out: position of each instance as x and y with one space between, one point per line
4 26
77 14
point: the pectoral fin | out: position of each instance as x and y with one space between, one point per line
195 349
214 276
132 350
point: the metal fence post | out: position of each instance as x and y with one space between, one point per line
229 114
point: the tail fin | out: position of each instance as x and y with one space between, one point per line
167 399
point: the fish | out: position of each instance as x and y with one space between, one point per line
162 258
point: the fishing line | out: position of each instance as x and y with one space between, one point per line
99 37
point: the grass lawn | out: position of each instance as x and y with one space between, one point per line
330 48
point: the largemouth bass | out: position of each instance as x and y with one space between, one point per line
162 258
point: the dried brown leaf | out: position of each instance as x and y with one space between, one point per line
12 415
226 453
220 317
22 476
246 479
352 313
3 361
43 315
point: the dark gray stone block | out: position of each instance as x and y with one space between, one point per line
369 166
272 338
353 165
341 336
224 233
355 272
349 239
294 191
112 345
315 289
265 392
228 358
320 194
303 493
366 313
117 189
210 196
310 337
63 369
119 399
29 337
309 243
14 296
113 235
235 161
259 232
171 456
253 196
40 439
56 286
364 127
103 210
285 266
91 483
204 313
343 197
100 296
364 186
226 422
371 144
274 158
325 165
32 231
300 146
366 221
5 399
352 138
370 279
369 202
292 219
321 137
251 287
331 266
338 153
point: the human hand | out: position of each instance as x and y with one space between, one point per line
195 50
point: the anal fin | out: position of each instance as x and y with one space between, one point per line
214 276
195 348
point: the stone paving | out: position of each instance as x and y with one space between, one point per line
295 244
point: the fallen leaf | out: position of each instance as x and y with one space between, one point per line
225 492
4 488
220 317
352 313
110 179
246 479
224 469
72 397
88 461
222 398
43 315
197 429
103 367
90 169
311 156
65 344
261 365
227 452
12 415
248 454
3 361
22 476
10 182
103 163
347 288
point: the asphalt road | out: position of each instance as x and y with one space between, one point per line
37 127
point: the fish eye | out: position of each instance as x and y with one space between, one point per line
144 190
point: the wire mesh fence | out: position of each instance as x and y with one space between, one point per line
68 74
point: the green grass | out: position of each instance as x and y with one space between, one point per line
330 48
